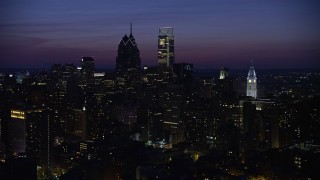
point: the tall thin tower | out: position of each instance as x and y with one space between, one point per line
252 82
166 47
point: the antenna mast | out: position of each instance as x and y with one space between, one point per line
130 27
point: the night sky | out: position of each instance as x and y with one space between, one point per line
208 33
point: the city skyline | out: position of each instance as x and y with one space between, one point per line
209 34
77 100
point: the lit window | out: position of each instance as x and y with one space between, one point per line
162 42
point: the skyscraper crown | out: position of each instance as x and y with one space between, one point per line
127 41
252 72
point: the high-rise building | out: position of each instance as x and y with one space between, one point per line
259 123
128 54
57 99
252 82
26 128
87 71
87 81
223 73
128 65
171 98
79 121
183 72
166 47
224 85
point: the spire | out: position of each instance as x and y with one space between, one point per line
130 28
131 36
252 73
252 82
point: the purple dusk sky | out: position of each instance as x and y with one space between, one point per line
208 33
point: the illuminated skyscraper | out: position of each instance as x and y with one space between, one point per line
165 47
26 128
252 82
223 73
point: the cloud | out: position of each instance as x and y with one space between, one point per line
10 41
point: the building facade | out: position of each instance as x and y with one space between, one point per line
252 82
166 47
128 64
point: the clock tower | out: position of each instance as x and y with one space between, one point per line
252 82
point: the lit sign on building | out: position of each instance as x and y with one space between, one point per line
18 114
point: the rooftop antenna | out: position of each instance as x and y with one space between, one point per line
130 27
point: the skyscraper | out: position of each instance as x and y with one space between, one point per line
87 71
29 132
87 79
252 82
223 73
165 47
128 54
128 65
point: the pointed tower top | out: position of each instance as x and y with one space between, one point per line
251 73
130 28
